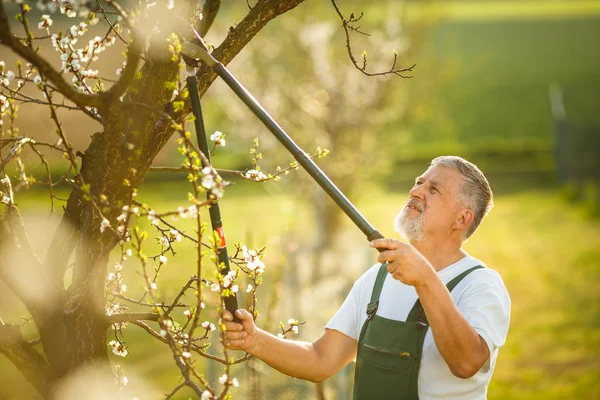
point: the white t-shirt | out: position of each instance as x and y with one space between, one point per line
481 297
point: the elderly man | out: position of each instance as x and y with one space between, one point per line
424 324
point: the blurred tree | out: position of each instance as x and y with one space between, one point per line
71 295
304 65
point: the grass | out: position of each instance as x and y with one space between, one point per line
547 252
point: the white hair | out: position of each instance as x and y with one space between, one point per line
474 192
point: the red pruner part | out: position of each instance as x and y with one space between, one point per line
220 234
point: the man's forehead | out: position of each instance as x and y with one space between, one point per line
442 175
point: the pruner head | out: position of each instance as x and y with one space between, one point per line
196 51
193 54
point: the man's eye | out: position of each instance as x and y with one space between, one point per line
432 189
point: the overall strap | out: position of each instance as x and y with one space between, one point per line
417 314
374 303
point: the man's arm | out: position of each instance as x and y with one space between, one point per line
460 345
314 361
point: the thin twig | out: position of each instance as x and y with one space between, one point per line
347 28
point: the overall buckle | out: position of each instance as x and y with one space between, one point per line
372 309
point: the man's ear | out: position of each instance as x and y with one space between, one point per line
463 219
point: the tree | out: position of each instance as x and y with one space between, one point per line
102 218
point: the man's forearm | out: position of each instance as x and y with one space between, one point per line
460 345
298 359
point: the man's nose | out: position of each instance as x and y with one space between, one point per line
417 191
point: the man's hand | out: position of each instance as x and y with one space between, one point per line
406 264
240 336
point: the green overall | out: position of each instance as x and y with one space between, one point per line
389 352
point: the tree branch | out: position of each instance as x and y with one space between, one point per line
134 54
209 12
44 68
239 36
132 317
29 361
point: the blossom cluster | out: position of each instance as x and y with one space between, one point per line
115 279
252 260
256 175
292 327
218 138
212 182
70 8
76 60
118 348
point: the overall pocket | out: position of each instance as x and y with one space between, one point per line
382 374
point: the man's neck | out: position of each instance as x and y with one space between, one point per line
440 255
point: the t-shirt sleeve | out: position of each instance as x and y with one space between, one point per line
347 319
486 306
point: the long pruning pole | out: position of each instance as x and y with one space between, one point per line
199 53
231 303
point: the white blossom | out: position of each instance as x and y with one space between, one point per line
291 321
249 288
6 200
218 138
235 288
255 175
235 382
186 354
104 224
10 75
37 80
223 379
111 276
128 252
153 285
45 22
209 326
295 329
187 313
253 262
162 259
153 218
118 348
124 381
208 182
192 211
215 287
6 179
206 395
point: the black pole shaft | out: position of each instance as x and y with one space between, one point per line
314 171
231 303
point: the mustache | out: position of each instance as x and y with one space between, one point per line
415 203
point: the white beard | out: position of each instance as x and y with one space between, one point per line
409 228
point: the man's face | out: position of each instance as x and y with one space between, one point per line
433 205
